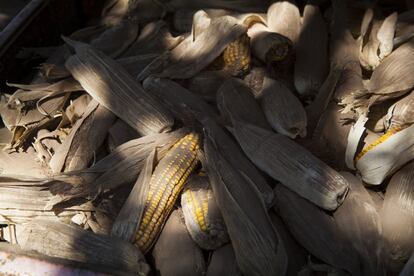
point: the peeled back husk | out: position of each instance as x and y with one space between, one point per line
236 101
292 165
283 110
401 113
387 157
223 262
258 248
110 85
191 56
397 216
283 17
311 64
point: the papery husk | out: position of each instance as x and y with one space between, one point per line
120 167
188 107
391 79
64 241
84 139
201 21
223 262
190 57
110 85
127 222
206 84
331 136
356 132
297 255
283 17
387 157
292 165
120 133
77 107
52 72
408 267
255 80
135 64
238 5
155 37
315 230
236 102
360 224
283 110
175 253
22 163
183 18
197 198
138 11
400 114
115 40
268 46
311 64
258 249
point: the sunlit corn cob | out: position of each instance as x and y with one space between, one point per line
202 215
166 183
236 57
380 140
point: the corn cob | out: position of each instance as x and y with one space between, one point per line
165 185
110 85
236 56
292 165
175 253
202 216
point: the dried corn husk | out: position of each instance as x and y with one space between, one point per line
139 11
183 20
315 230
135 64
63 241
127 222
206 83
197 199
292 165
86 136
397 217
391 79
255 80
360 224
258 249
238 5
190 57
175 253
120 133
408 269
110 85
311 65
283 17
155 37
268 46
283 110
295 252
331 135
400 114
188 106
200 23
22 163
236 102
223 262
120 167
387 157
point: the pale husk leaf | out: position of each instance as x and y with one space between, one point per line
283 17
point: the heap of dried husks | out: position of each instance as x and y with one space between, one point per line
193 137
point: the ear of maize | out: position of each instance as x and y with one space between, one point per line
165 185
110 85
202 215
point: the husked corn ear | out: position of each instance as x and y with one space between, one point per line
202 215
166 183
236 56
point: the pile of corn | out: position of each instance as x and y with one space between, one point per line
193 137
